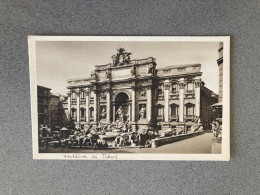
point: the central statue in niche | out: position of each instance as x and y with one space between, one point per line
121 58
120 113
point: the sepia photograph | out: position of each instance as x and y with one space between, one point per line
130 97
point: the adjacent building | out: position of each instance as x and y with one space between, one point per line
58 115
50 109
43 98
217 108
138 92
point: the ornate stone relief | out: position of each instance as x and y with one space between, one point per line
108 74
133 71
166 86
197 83
142 92
182 85
93 75
103 95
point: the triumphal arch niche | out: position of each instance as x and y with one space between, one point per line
133 91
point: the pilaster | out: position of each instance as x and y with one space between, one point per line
87 92
197 96
166 100
181 98
95 106
133 103
149 103
69 104
108 105
78 105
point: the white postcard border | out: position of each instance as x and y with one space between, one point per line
224 156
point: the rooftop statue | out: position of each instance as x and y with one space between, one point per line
121 58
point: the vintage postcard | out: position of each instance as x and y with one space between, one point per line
130 97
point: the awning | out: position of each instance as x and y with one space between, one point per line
64 129
219 104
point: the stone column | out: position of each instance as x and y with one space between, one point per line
166 100
95 106
129 112
114 113
181 98
69 104
149 103
197 96
78 105
108 105
87 104
133 103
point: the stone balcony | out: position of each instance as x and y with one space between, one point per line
174 95
189 93
189 117
74 118
174 117
160 117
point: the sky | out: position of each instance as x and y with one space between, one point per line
58 61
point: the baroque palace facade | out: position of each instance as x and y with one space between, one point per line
137 92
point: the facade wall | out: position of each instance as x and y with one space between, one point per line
167 97
208 98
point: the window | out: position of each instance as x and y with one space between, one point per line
190 86
73 95
189 109
82 94
174 87
82 113
92 94
160 110
91 112
174 110
160 90
73 112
